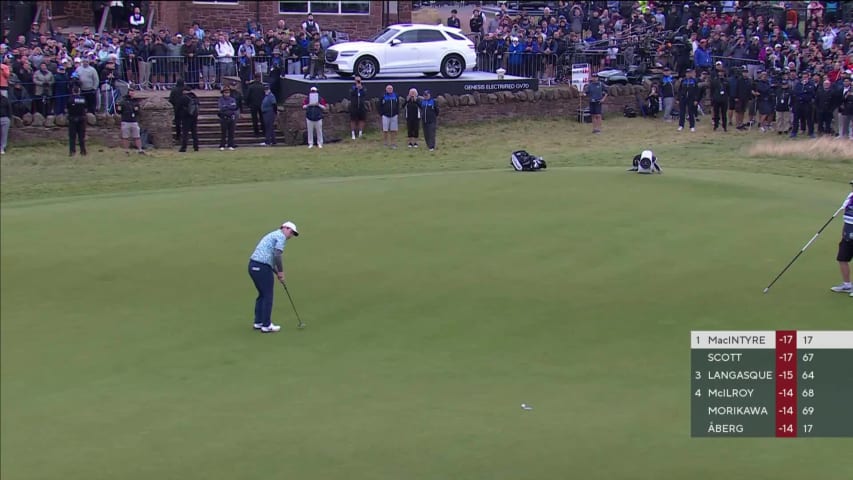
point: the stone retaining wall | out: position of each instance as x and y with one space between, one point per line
560 102
157 115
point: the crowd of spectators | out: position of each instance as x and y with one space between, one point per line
781 39
40 66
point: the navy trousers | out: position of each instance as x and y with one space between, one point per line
269 127
264 279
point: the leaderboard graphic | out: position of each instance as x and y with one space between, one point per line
783 383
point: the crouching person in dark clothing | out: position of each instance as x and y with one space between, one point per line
188 116
429 112
76 122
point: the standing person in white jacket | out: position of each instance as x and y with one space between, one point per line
225 59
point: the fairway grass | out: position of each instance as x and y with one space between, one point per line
438 298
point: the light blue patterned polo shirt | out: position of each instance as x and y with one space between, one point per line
266 248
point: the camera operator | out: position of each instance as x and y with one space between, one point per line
108 77
77 105
130 110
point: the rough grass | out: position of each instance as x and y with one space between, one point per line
818 149
38 172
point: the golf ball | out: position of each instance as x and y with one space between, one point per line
525 406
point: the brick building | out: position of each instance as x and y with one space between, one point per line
360 19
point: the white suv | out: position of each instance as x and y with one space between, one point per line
406 48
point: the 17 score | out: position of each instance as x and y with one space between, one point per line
789 356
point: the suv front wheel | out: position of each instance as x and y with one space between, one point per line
366 68
452 66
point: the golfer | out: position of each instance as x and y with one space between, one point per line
845 248
264 265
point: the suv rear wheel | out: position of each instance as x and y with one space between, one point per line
452 66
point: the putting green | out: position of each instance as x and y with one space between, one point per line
436 305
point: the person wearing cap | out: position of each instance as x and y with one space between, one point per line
254 99
429 113
187 109
269 108
60 90
265 264
76 121
130 110
845 247
227 119
314 106
688 100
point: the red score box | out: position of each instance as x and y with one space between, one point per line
786 383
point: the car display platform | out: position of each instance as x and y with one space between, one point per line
335 88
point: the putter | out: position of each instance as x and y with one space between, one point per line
299 324
804 248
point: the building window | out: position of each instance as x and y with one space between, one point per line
325 8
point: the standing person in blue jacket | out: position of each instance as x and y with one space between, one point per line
803 97
265 265
389 110
429 113
269 107
688 100
667 94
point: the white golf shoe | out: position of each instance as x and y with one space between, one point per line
843 288
257 326
271 328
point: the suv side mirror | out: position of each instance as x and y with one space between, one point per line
396 42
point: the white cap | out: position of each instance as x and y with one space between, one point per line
646 154
313 89
291 226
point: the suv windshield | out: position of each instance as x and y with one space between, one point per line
384 35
